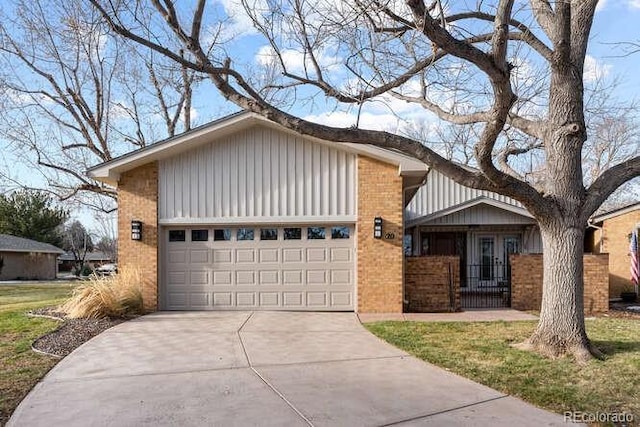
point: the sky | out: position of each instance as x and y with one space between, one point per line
616 21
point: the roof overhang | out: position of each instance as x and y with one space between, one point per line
109 172
32 251
612 214
482 200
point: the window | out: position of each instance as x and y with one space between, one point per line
176 235
244 234
199 235
268 234
314 233
221 234
341 232
292 233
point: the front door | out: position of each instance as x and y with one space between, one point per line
487 261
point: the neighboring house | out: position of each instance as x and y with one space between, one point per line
27 259
67 261
480 227
244 214
609 233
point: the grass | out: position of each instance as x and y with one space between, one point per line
481 351
21 368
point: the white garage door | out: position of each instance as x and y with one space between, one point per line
259 267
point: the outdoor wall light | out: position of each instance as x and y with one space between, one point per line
136 230
377 228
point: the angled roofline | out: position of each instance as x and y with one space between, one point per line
109 172
41 247
481 200
614 213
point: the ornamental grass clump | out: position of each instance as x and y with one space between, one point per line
113 296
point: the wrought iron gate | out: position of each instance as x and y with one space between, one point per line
486 286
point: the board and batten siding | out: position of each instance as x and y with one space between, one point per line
441 192
257 174
481 215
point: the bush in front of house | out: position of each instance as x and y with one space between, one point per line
109 296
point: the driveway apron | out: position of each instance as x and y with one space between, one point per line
258 368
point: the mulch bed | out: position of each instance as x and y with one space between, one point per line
71 334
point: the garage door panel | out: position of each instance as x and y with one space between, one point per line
292 277
316 277
199 300
268 277
293 274
246 299
245 277
222 278
317 299
177 278
292 299
340 277
269 299
292 255
341 255
245 256
222 256
341 299
199 277
223 299
177 256
268 255
316 255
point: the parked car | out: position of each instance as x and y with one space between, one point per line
106 270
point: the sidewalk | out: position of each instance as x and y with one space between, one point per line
505 314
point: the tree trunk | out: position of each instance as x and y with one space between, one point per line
561 329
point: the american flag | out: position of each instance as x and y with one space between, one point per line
633 250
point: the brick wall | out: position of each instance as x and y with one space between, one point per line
428 282
380 261
526 282
138 200
615 242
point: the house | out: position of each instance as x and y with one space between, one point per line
67 260
481 228
242 213
22 259
609 233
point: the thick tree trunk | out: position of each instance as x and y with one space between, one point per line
561 329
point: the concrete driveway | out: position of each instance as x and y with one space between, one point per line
262 368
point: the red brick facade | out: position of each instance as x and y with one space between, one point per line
138 200
526 282
432 284
380 261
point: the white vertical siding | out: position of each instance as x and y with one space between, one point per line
259 172
440 192
481 215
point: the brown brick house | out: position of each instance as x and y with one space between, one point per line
244 214
609 233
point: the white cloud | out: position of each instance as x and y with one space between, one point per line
594 70
634 4
295 61
601 5
239 22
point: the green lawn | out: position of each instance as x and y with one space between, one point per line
21 368
482 352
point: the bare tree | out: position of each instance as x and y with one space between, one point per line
74 96
409 50
77 241
106 234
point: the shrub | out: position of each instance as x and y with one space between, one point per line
112 296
